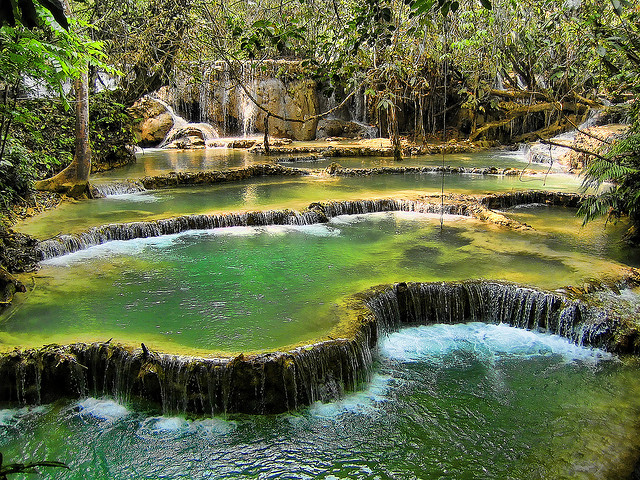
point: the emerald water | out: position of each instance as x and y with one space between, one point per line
272 193
464 402
252 288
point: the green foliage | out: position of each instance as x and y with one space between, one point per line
618 48
110 130
29 12
264 36
17 173
620 165
48 132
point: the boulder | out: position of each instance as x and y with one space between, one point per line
328 128
153 122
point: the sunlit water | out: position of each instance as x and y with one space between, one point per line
152 162
252 288
273 193
461 402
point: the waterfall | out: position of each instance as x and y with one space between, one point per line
496 302
118 188
282 381
336 169
318 212
64 244
247 109
538 152
204 94
502 201
178 121
357 207
182 127
315 213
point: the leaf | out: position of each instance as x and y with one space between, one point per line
486 4
617 6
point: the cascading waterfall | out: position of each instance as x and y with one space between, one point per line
316 213
117 188
538 152
64 244
529 197
282 381
247 109
493 302
182 127
204 93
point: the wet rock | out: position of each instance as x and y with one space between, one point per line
187 142
174 179
18 252
593 139
243 143
9 285
511 199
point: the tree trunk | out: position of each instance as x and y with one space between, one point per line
267 150
395 136
74 180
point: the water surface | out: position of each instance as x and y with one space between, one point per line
252 288
273 193
150 162
465 402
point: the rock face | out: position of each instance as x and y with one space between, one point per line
296 100
227 99
288 99
154 122
593 139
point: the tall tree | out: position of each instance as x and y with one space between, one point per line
74 179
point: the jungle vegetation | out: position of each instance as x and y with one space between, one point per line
502 61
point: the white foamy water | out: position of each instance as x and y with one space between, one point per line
140 197
113 248
137 245
432 343
102 409
316 230
396 215
365 401
11 416
206 426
